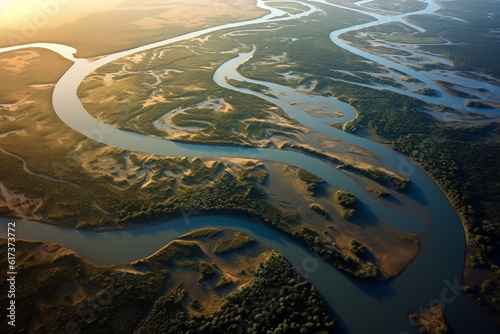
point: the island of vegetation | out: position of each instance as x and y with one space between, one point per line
430 321
347 201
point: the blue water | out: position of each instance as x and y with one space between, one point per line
360 307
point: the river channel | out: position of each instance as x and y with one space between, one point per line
360 307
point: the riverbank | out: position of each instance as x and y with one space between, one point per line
396 298
188 284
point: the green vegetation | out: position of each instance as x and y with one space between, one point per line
337 125
206 271
223 282
230 118
130 188
200 173
398 114
290 7
276 300
468 44
453 91
233 194
427 91
378 192
487 292
77 190
312 34
251 86
462 159
256 172
70 292
208 232
403 7
181 186
430 321
356 247
449 154
238 241
452 160
347 201
319 210
176 250
384 177
476 104
375 173
310 179
471 43
345 198
351 266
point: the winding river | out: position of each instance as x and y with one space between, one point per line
360 307
426 77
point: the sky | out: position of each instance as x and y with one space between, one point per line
14 14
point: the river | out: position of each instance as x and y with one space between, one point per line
360 307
